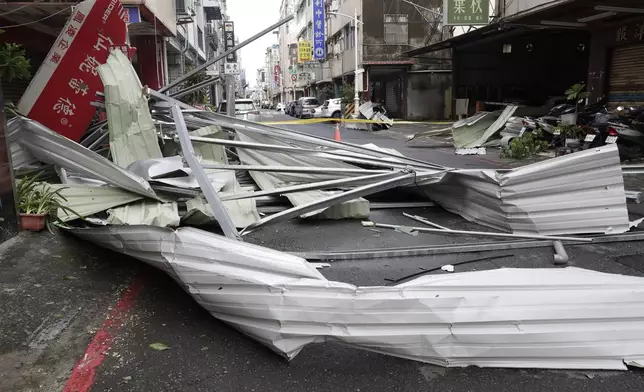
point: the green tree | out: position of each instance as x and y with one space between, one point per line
13 63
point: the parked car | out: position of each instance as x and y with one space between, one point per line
305 107
332 108
244 109
279 107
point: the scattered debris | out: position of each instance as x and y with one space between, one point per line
470 151
448 268
218 171
159 346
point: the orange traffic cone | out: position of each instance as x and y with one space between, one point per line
336 134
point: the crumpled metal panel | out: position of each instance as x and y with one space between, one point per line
473 133
522 318
243 212
132 133
50 147
145 213
270 181
572 194
87 200
161 170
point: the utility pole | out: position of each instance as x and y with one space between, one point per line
230 95
357 83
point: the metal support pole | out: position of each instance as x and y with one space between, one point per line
194 88
296 169
401 180
342 182
356 97
230 95
218 209
226 53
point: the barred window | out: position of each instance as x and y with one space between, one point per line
396 29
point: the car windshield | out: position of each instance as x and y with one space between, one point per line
311 102
239 107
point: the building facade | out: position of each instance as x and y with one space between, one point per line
385 30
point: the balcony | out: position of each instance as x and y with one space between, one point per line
185 12
212 8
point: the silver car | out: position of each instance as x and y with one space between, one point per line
244 109
306 107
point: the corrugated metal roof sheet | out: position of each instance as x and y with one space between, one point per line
88 200
534 318
573 194
133 136
145 213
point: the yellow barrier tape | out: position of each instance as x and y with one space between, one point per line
347 120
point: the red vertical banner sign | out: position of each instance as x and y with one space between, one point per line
61 92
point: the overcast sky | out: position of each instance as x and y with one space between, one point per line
250 17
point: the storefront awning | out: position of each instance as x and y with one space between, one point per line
558 14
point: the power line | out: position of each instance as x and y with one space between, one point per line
12 11
35 21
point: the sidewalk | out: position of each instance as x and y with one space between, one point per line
55 293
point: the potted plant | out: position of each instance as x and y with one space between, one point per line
576 94
38 203
572 133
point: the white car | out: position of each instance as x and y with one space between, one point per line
245 109
279 107
332 108
317 112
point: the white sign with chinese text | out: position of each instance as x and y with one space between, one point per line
231 68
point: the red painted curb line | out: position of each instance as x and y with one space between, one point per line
84 371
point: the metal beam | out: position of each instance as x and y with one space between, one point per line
297 150
313 186
445 249
405 178
218 209
482 233
194 88
295 169
226 53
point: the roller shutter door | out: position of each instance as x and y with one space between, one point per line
626 80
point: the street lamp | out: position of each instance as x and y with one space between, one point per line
358 71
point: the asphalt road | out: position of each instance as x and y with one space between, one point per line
396 138
207 355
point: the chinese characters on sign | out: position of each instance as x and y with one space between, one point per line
622 34
466 12
304 51
61 92
319 46
229 41
639 31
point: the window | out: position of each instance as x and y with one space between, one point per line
396 29
347 38
200 37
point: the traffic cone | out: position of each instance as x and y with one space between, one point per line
336 134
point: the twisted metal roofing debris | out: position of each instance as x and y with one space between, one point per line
572 194
132 133
50 147
535 318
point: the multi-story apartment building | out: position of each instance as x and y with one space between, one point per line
273 85
385 30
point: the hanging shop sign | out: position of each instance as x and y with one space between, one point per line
60 94
466 12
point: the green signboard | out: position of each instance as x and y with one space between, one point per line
466 12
